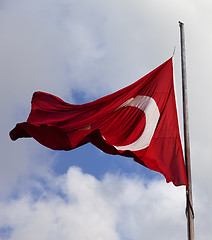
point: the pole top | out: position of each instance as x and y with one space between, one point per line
181 23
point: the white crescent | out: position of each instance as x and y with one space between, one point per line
150 108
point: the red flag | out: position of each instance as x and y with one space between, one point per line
138 121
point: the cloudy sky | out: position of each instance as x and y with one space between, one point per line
82 50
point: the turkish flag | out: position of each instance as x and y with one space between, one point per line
138 121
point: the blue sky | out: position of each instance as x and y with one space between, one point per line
80 51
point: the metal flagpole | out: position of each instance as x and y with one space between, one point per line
189 204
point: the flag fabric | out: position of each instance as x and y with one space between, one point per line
138 121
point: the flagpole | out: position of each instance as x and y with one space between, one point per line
189 202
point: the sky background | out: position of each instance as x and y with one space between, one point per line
81 50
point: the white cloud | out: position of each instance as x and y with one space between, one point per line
78 206
116 207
